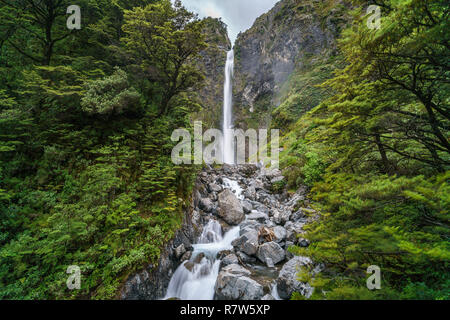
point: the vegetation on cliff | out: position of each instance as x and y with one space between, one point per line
85 123
375 153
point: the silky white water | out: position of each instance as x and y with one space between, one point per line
228 137
196 281
234 187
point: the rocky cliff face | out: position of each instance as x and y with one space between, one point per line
212 63
279 42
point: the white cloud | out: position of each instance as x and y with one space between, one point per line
239 15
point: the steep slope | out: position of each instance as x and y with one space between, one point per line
212 64
291 36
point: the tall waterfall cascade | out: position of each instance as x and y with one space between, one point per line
228 137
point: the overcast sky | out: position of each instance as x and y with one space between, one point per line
239 15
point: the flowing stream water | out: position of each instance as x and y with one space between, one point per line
228 137
195 279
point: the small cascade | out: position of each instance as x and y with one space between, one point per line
195 279
234 187
274 292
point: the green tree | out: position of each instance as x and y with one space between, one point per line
166 40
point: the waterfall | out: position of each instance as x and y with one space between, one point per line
228 138
195 279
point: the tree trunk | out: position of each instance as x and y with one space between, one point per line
384 158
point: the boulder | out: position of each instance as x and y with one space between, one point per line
180 250
287 282
297 216
281 217
229 259
206 204
272 251
289 255
230 209
249 225
277 179
214 187
280 233
186 256
250 193
258 216
236 270
247 243
271 173
233 284
247 206
245 258
293 229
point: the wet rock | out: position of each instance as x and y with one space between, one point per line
287 282
232 284
246 258
236 270
228 260
213 196
223 254
186 256
268 297
230 209
272 251
206 204
247 206
180 250
189 265
199 257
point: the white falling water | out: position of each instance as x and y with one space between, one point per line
228 138
234 187
198 282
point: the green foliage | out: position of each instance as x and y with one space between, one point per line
111 96
86 176
375 152
166 39
397 223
